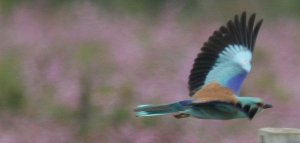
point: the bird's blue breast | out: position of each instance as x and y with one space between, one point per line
235 82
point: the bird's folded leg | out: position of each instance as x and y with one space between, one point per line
181 115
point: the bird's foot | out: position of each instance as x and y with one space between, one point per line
181 115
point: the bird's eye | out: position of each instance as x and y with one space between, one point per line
259 104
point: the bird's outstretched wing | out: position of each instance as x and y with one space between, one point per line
226 57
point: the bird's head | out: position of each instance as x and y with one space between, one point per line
252 105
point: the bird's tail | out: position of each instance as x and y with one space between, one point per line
156 110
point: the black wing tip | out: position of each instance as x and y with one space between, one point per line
259 23
244 13
243 31
252 17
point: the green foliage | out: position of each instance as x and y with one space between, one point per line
12 91
150 122
134 7
61 113
8 5
269 82
149 9
88 52
122 111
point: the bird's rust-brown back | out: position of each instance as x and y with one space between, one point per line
214 92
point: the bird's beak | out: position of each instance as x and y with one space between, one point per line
265 106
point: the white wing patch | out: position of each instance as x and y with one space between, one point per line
237 54
232 61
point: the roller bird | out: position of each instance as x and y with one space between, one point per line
217 75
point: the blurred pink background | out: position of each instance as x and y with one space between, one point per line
74 71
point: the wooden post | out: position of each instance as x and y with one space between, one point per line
279 135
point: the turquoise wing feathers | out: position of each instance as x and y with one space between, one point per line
227 55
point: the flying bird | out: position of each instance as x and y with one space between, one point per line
217 75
